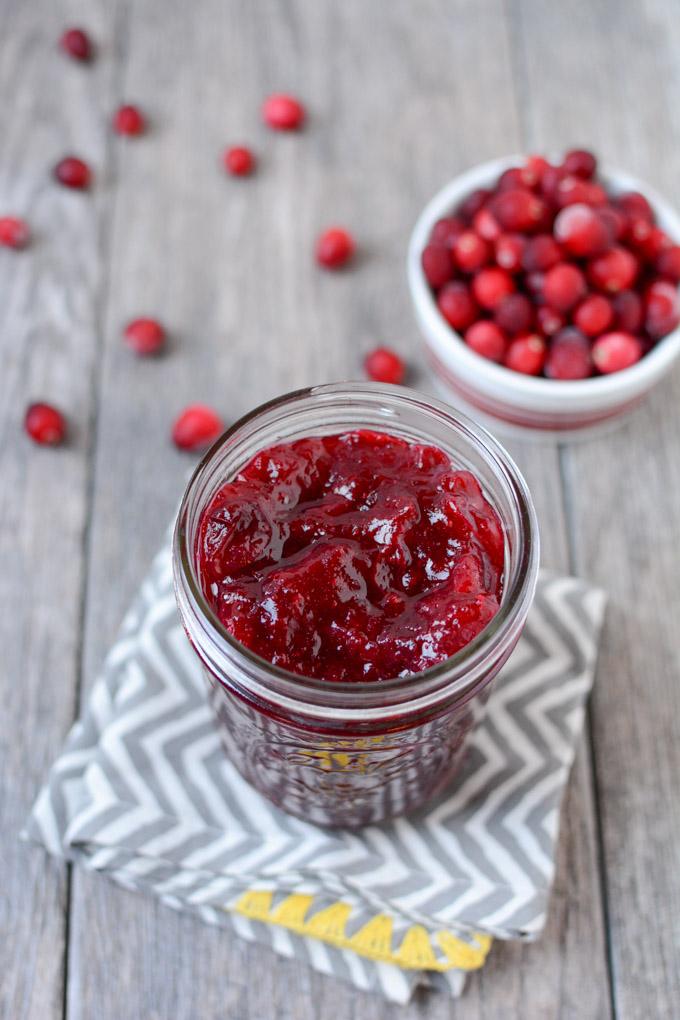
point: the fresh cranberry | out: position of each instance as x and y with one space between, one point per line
552 175
456 305
491 285
635 204
76 43
486 225
628 311
196 427
14 233
447 230
581 231
613 352
45 424
534 170
517 209
510 179
144 336
656 242
73 173
549 320
514 314
526 354
334 248
615 220
668 263
472 204
614 271
471 252
283 112
541 253
128 120
563 286
509 249
580 163
238 161
594 315
487 339
437 265
574 190
569 356
662 308
383 365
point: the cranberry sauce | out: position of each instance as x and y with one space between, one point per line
353 557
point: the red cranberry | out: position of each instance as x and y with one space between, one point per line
472 204
514 314
526 354
563 286
616 351
471 252
73 173
486 339
572 190
580 163
656 242
383 365
283 112
76 43
569 356
534 170
550 180
144 336
238 161
662 308
14 233
541 253
456 305
509 250
486 225
491 285
45 424
635 204
334 248
581 230
196 427
614 271
510 179
615 220
549 321
447 230
517 209
128 120
668 263
594 315
437 265
628 311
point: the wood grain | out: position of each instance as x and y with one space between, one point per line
624 494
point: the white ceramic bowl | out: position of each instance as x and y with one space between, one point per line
526 403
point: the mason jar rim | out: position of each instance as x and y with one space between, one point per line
450 679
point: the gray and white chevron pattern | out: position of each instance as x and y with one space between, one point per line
144 792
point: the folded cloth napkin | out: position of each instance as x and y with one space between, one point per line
144 792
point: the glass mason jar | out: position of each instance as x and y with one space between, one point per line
354 753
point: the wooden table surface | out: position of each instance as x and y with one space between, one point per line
401 97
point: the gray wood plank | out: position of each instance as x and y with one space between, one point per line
228 266
621 98
48 345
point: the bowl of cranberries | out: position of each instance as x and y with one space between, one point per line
547 293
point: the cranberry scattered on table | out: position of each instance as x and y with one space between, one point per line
383 365
549 274
45 424
144 336
14 232
76 44
283 112
334 248
73 173
196 427
352 557
238 161
129 120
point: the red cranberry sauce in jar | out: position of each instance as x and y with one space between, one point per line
352 557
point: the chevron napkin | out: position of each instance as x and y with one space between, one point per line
143 792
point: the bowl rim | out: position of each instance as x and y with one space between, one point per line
635 379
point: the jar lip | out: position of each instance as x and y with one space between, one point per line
456 674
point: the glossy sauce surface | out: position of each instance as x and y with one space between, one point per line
352 557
